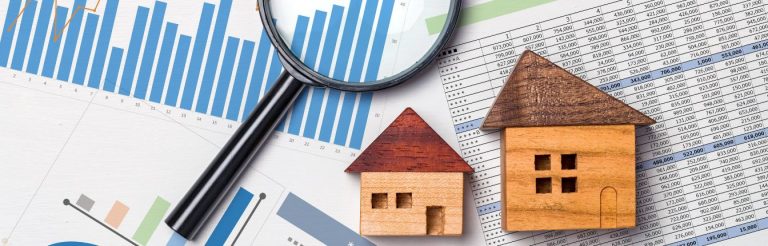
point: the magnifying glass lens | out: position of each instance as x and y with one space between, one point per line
361 42
349 45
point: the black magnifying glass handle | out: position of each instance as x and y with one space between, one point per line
241 149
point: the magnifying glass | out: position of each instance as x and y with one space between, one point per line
380 44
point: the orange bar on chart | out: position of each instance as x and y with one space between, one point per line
116 214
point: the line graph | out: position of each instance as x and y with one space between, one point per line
56 34
78 9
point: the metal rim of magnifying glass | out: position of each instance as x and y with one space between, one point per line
305 74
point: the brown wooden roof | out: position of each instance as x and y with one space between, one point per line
539 93
409 145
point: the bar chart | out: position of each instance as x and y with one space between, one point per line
209 71
152 219
117 213
228 229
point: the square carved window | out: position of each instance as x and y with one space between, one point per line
541 162
569 184
568 162
379 200
543 185
404 200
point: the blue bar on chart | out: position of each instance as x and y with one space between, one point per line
9 28
25 31
38 42
193 71
355 72
372 73
332 102
363 110
275 68
85 49
180 62
229 219
297 48
225 76
52 54
110 81
324 67
70 44
313 112
241 77
364 37
345 116
164 60
102 45
339 72
217 41
150 50
310 59
318 224
134 48
331 38
259 67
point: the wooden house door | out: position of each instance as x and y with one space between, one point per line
608 208
435 220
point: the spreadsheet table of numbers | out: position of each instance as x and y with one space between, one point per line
698 67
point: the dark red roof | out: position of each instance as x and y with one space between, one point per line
540 93
409 145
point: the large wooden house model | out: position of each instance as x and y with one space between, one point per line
567 151
411 182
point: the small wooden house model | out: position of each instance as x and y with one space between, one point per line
411 182
567 151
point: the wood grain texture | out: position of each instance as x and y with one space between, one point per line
539 93
409 145
605 178
427 189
